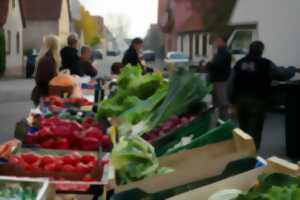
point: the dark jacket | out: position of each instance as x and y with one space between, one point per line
70 59
86 68
46 71
131 56
219 68
253 77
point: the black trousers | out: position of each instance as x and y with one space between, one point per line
251 116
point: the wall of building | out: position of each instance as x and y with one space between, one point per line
64 23
35 31
14 51
278 27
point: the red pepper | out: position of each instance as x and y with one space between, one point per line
62 143
89 144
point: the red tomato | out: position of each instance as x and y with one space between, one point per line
69 169
15 160
88 158
30 158
69 160
105 142
48 144
47 160
88 178
76 156
58 165
83 168
62 143
50 167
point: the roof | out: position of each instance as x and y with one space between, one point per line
42 9
4 8
3 11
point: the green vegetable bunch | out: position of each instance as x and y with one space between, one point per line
274 187
134 159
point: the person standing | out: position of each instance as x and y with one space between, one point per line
219 70
48 63
252 78
69 55
85 65
131 56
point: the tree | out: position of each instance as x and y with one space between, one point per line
89 27
119 25
154 40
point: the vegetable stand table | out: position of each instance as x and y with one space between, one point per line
194 165
243 181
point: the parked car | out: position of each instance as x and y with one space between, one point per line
113 52
179 59
97 54
149 56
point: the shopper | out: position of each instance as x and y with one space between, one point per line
219 72
48 63
85 64
252 80
131 56
69 55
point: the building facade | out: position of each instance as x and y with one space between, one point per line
12 25
43 18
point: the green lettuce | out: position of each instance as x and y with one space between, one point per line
134 159
274 187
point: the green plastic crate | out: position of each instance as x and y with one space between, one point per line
218 134
198 127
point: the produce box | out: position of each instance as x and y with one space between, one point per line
59 165
233 168
24 188
199 125
191 165
243 181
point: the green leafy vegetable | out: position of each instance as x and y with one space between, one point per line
134 159
185 90
274 187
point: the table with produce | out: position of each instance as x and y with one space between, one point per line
152 139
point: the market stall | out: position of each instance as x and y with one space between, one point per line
149 138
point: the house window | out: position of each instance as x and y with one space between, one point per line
181 43
8 42
18 42
197 45
204 45
13 3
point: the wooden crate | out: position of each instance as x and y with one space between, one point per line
243 181
192 165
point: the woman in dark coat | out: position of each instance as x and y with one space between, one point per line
47 67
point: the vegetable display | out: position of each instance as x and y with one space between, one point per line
173 123
270 187
274 187
134 159
17 191
70 163
56 103
57 133
186 90
137 92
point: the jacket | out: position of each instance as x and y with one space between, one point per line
86 68
46 71
70 60
220 67
131 56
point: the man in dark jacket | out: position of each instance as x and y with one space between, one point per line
69 55
85 66
252 80
131 56
219 71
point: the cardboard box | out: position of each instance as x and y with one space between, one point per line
241 182
194 165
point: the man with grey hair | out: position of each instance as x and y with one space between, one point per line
69 55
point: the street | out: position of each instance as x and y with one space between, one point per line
15 104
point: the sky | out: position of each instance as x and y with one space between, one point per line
138 14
